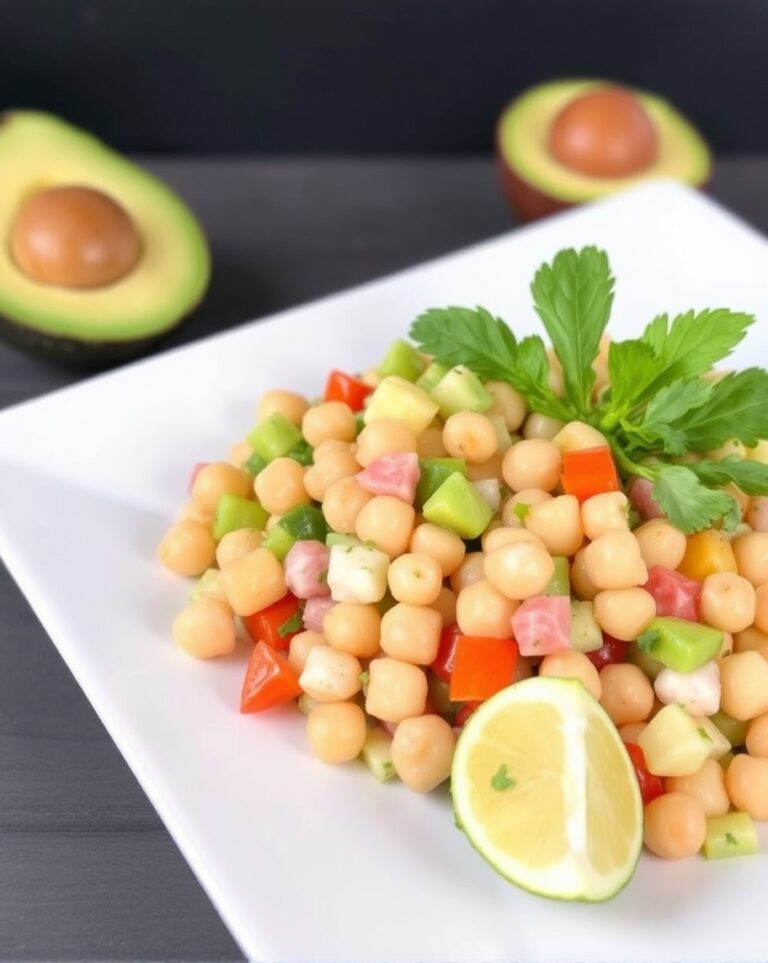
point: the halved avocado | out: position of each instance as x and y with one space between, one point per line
94 324
537 183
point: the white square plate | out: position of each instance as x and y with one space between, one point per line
305 861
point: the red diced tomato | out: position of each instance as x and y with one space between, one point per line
610 652
277 624
269 680
481 667
343 387
675 595
465 712
542 625
640 493
588 472
446 653
650 786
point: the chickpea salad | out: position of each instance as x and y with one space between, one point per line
540 574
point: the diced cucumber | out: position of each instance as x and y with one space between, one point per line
643 661
403 360
734 730
274 437
490 490
254 464
336 538
560 583
502 432
397 398
207 586
733 834
586 635
377 755
432 473
234 512
679 644
461 390
302 452
305 523
717 743
279 542
432 375
439 696
457 505
674 743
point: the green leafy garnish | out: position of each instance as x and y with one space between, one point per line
730 839
704 734
365 678
648 640
501 781
291 625
521 509
657 406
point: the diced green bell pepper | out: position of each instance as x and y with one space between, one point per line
560 583
432 473
233 512
681 645
305 523
274 437
457 505
254 464
403 360
302 452
279 542
733 834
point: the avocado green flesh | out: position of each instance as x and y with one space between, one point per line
39 151
523 135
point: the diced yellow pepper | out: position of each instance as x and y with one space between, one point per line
706 553
674 743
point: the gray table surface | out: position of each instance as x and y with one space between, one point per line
87 870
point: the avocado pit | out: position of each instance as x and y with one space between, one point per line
604 133
74 237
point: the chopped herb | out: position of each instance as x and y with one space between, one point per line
521 509
731 839
322 578
364 678
703 733
389 769
501 781
648 639
291 625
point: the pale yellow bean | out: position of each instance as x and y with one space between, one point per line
572 665
387 522
471 436
627 695
577 435
445 604
661 543
757 737
541 426
471 570
336 731
205 628
533 463
385 436
751 553
581 583
624 613
744 685
706 786
422 752
519 570
330 420
430 442
526 498
300 646
446 548
482 610
727 602
343 502
289 404
674 826
613 561
280 486
746 780
236 544
396 690
188 548
507 403
761 608
557 523
239 453
411 633
324 474
416 578
216 479
607 512
253 582
353 627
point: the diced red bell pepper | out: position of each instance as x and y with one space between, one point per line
465 712
269 680
277 624
446 653
610 652
481 667
675 595
588 472
343 387
650 786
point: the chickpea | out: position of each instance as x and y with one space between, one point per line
624 613
630 731
557 523
605 513
751 553
236 544
507 403
727 602
627 694
707 787
541 426
411 633
578 435
471 570
528 497
320 477
759 452
253 582
336 731
353 627
534 463
732 447
661 543
751 639
746 780
343 502
205 628
331 445
216 479
582 584
613 561
329 420
330 675
445 604
280 486
396 690
757 737
300 646
757 513
415 578
188 548
290 405
482 610
385 436
744 685
387 522
239 454
446 549
573 665
190 510
470 435
422 752
478 471
496 537
430 443
555 379
674 826
761 608
520 570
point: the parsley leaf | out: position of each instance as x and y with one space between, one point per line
632 366
501 781
365 678
294 624
573 297
750 476
689 504
658 430
647 641
521 509
737 407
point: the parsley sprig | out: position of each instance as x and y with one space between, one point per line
659 404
